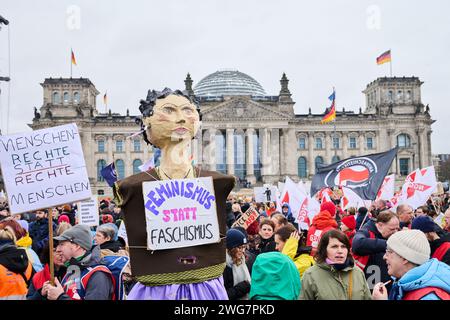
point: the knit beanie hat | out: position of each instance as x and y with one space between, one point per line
349 221
63 218
328 206
235 238
424 224
411 245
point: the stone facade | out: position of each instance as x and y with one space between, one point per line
257 138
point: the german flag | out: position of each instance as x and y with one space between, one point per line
74 62
330 116
105 98
385 57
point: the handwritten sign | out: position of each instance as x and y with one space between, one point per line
180 213
44 168
88 212
247 218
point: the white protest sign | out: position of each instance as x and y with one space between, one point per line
88 212
247 218
265 194
44 168
123 232
180 213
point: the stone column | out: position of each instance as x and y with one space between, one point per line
311 146
393 143
250 157
110 147
265 154
275 152
328 144
344 145
361 143
128 161
290 155
230 151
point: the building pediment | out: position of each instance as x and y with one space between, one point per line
242 108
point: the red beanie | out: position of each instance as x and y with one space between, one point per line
328 206
107 218
350 222
63 218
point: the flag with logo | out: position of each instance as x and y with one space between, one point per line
386 191
418 187
109 174
364 174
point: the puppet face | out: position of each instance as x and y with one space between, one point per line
174 119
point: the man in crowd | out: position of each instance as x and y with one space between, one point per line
38 231
86 277
405 214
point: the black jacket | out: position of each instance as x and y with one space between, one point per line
38 231
235 292
362 245
437 243
14 259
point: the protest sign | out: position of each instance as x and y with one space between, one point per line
180 213
247 218
88 212
44 168
123 232
265 194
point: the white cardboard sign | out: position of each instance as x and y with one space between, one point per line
44 168
88 212
180 213
265 194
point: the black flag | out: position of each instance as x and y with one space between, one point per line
363 174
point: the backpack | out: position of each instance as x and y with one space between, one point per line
441 251
117 265
420 293
361 261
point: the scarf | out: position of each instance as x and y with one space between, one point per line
24 242
240 272
339 266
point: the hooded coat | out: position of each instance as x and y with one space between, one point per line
324 282
432 273
321 223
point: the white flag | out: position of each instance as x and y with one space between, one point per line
148 165
418 187
386 191
351 199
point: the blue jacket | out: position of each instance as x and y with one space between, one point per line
289 215
432 273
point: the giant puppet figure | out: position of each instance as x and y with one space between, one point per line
170 120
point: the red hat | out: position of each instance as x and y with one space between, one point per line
63 218
328 206
107 218
350 222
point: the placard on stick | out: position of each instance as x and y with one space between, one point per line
88 212
180 213
265 194
247 218
44 168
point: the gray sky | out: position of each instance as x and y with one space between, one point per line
128 47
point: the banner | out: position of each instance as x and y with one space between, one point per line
180 213
88 212
44 168
363 174
265 194
247 218
418 187
386 191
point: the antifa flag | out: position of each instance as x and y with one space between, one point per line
109 174
363 174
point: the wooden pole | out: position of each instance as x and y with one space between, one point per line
50 248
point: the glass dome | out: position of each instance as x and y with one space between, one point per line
228 83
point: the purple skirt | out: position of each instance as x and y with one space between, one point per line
207 290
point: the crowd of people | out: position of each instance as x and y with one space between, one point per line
354 254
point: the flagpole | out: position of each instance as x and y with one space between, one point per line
71 63
390 62
334 124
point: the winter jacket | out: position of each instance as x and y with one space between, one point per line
15 272
350 235
100 284
302 259
239 290
274 277
289 216
38 231
113 248
432 273
266 245
321 223
323 282
363 245
434 245
25 243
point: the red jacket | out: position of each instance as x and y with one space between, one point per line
321 223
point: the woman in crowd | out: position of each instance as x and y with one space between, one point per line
279 220
289 242
236 275
334 276
266 241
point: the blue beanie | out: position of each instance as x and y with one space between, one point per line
424 224
235 238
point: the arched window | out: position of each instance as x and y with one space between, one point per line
390 96
301 166
399 95
318 161
100 165
120 169
76 97
403 141
66 97
335 159
136 164
55 98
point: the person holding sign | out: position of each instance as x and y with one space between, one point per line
175 213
